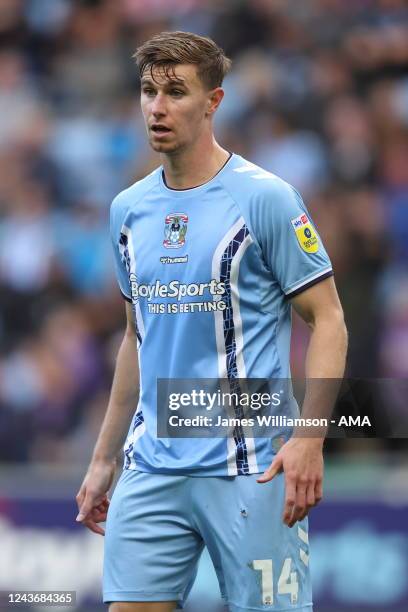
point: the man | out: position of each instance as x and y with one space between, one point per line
238 495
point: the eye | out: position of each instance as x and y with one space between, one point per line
176 93
148 91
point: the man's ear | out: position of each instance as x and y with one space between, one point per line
214 100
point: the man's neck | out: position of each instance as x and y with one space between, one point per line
194 167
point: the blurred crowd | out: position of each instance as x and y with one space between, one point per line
318 94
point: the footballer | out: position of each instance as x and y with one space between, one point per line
207 227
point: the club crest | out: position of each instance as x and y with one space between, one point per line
175 229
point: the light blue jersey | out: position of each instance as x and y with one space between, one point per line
210 271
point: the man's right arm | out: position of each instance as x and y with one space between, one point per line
92 497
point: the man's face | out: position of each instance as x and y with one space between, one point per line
175 108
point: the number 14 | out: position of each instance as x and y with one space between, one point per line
287 583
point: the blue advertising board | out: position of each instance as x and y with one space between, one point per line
359 556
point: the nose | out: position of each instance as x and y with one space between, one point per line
158 107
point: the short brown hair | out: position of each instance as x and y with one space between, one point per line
167 49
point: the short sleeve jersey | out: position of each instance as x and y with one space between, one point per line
210 272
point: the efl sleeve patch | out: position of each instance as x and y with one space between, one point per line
305 234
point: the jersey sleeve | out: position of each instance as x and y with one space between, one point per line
120 248
290 244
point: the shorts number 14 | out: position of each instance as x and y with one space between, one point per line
287 583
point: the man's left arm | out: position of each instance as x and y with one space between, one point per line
301 458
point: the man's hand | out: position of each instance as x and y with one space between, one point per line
301 460
92 499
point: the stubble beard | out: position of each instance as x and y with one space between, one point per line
166 148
